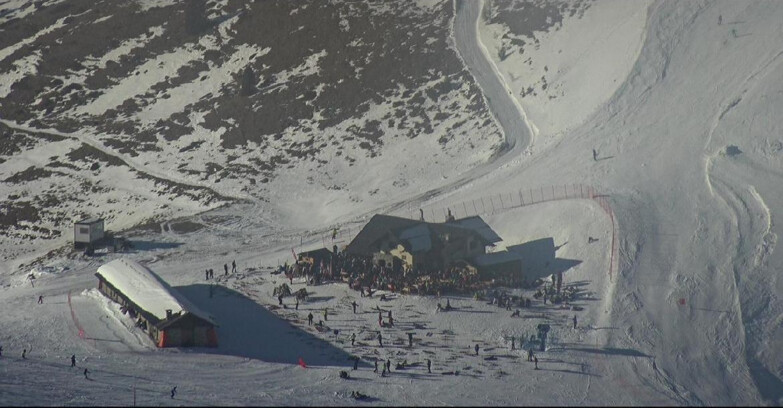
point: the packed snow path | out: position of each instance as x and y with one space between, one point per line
502 104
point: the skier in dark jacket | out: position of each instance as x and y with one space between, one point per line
574 321
73 360
173 392
24 354
309 318
353 338
233 266
410 339
376 367
354 304
476 348
429 366
355 363
225 267
86 371
380 340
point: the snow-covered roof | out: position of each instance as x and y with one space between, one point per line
477 224
418 237
90 221
146 289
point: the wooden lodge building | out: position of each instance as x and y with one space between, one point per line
167 316
403 242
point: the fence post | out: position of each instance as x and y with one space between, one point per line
474 206
465 208
483 207
500 196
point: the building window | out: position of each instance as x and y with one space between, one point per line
84 230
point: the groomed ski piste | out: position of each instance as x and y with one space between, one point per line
685 310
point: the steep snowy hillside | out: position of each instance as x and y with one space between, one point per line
655 167
190 105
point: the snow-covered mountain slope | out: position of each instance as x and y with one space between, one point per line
678 101
259 101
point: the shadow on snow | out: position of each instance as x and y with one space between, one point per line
247 329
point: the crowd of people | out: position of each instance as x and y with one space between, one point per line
366 276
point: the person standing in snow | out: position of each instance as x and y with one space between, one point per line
24 354
530 354
595 155
173 392
309 318
476 348
512 344
429 366
535 361
326 314
40 299
73 360
355 363
86 371
233 266
280 300
376 367
388 365
380 340
574 321
353 338
297 304
410 339
1 351
354 304
206 275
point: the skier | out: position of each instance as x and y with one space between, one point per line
24 354
421 214
476 348
410 339
225 267
86 371
1 351
211 273
380 340
173 392
530 354
391 322
595 155
390 314
512 343
297 304
73 360
376 367
354 304
388 365
309 318
326 314
355 363
574 321
280 300
206 275
535 361
353 338
40 299
233 266
429 366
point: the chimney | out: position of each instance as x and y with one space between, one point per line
168 313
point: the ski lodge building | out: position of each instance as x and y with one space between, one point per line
403 242
167 316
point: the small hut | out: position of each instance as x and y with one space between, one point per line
87 232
